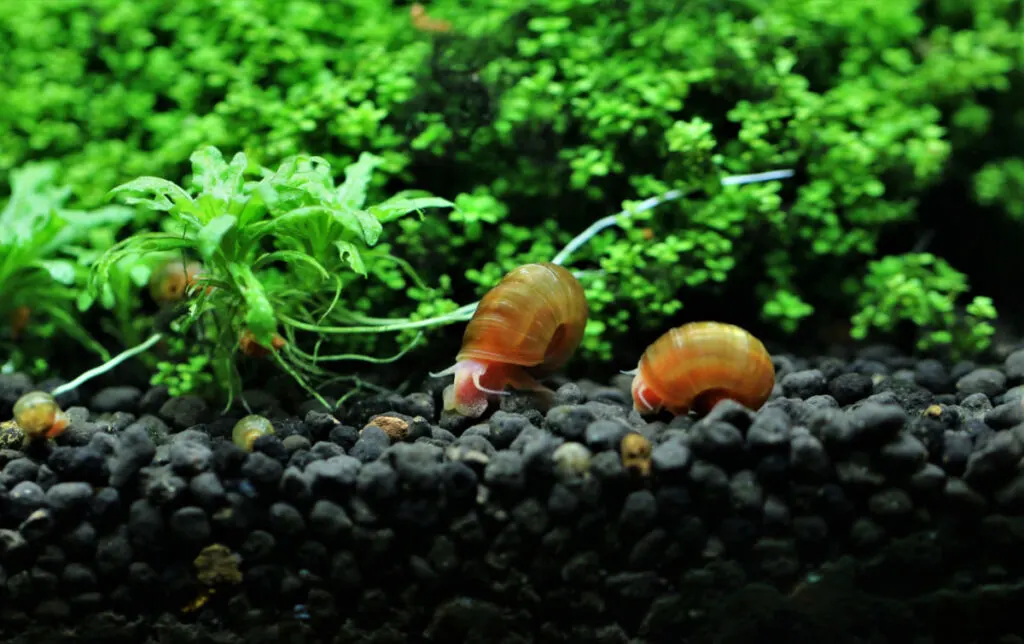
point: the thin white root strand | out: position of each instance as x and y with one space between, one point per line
108 365
653 202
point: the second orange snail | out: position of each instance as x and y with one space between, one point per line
176 279
533 320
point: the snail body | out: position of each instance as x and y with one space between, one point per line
524 328
697 365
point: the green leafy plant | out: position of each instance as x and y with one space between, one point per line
530 113
191 374
281 255
42 246
922 289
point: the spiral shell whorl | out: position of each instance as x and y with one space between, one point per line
535 317
709 360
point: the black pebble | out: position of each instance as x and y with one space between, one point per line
372 443
190 524
607 434
459 482
505 428
113 554
1014 366
285 521
334 476
715 439
145 523
329 520
262 469
570 421
134 451
955 452
670 459
904 454
258 546
505 471
808 455
933 376
985 380
569 394
377 482
994 461
110 399
21 469
70 498
848 388
1006 415
770 430
207 490
183 412
190 458
804 384
873 422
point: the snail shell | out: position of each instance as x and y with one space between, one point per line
697 365
39 415
171 281
526 327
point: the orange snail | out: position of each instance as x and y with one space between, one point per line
697 365
524 328
171 281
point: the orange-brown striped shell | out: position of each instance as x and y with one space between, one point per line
534 317
171 281
696 365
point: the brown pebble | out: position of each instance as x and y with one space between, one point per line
635 450
396 428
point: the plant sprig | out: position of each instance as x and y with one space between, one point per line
42 243
281 253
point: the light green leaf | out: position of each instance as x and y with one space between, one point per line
349 253
294 257
352 193
62 271
77 225
165 195
214 177
212 234
361 223
396 208
259 313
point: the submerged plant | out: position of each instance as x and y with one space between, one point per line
923 289
281 255
44 247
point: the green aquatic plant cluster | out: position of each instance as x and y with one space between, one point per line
923 290
528 121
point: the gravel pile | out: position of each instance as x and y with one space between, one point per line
871 499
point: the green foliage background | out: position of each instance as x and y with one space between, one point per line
535 118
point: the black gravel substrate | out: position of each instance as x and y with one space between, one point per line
873 500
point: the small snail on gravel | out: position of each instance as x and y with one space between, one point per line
39 415
525 328
697 365
249 429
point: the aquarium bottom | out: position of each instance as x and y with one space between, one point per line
872 500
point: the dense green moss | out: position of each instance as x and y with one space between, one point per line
535 118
